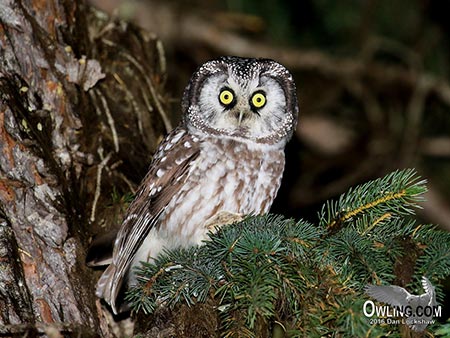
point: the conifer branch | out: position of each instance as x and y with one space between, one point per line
306 277
398 192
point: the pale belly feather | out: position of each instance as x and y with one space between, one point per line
222 179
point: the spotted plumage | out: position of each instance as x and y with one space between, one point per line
224 161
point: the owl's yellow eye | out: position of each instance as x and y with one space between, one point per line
258 100
226 97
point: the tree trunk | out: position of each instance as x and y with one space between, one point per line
81 112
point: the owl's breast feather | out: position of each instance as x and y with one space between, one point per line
227 176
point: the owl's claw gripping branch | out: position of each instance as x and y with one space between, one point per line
222 218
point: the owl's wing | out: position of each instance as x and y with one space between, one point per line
167 174
392 295
429 297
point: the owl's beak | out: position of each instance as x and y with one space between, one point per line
240 117
243 114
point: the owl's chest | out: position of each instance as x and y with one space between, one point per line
226 177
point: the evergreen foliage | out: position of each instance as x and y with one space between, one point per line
308 278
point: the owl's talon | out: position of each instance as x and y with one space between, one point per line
222 218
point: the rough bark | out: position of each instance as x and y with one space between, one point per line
80 115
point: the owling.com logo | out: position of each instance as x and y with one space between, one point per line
415 311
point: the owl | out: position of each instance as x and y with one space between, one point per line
224 161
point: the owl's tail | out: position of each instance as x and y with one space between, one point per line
107 289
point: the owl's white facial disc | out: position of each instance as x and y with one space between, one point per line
244 98
241 117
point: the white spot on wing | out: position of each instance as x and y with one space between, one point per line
177 137
131 217
160 172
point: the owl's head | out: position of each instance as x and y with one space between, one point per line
252 99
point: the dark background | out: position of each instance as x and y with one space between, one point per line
372 80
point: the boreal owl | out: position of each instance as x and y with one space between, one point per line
225 160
